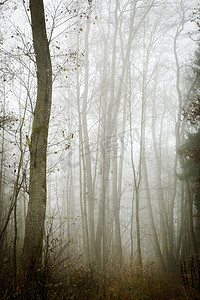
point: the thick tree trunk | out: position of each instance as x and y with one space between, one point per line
32 250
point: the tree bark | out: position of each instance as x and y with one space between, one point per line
34 227
88 167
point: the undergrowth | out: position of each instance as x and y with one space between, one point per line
95 284
190 275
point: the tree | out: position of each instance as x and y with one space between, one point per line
190 150
34 227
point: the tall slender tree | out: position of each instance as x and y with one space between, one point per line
34 227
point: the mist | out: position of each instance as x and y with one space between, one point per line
99 153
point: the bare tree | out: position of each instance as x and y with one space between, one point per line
34 227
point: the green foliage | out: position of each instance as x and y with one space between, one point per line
190 163
190 150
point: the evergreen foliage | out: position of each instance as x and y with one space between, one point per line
190 150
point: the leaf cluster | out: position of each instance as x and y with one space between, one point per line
192 113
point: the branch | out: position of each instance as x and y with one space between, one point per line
2 3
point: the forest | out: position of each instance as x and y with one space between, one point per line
99 149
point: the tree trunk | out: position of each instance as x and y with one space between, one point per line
158 176
88 167
32 250
150 212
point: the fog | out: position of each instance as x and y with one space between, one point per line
121 74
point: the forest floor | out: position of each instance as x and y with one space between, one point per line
93 284
124 289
